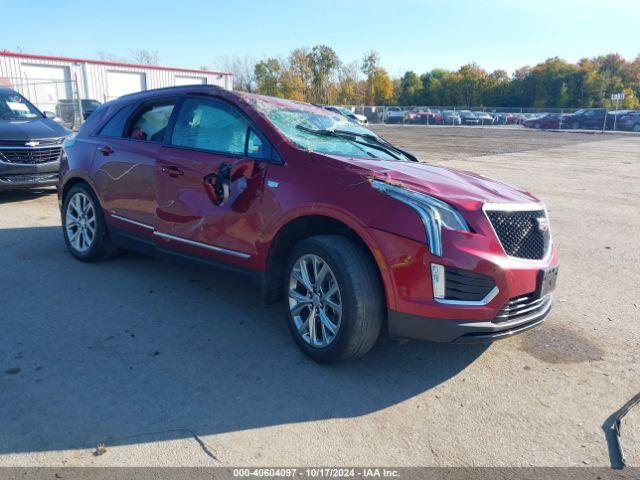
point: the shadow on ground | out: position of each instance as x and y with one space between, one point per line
107 352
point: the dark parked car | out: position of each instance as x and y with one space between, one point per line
548 120
89 106
629 121
467 117
586 118
30 144
451 117
351 232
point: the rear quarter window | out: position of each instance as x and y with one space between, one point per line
115 126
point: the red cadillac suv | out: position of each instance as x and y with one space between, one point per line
352 233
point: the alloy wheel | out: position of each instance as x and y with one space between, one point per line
315 302
80 222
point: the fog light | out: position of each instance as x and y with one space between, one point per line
437 280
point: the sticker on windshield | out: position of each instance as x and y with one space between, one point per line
18 107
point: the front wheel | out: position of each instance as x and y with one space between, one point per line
85 231
334 302
636 127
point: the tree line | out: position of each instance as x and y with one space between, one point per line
317 75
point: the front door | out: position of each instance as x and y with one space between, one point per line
211 143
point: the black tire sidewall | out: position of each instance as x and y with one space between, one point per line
348 295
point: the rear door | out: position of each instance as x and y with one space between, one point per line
125 163
208 135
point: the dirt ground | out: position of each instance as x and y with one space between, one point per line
137 353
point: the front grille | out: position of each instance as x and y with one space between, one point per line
30 156
523 234
520 307
467 286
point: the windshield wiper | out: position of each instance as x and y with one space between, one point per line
380 141
350 136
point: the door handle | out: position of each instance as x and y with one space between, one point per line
172 171
106 151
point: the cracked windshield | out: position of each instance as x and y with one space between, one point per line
322 131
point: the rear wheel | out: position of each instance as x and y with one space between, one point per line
636 127
334 304
85 231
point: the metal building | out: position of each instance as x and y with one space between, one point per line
58 84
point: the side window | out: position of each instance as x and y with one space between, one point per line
256 147
115 126
150 122
208 124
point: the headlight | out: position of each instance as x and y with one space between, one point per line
435 214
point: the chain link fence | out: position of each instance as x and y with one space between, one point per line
430 115
542 118
59 98
62 99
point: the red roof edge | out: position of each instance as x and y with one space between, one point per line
104 62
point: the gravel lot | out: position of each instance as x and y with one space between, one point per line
112 353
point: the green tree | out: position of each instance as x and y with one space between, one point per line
267 73
410 89
324 63
379 87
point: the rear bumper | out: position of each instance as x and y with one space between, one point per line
416 327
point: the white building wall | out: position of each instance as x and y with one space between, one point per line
90 79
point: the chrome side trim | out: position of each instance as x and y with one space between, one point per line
471 303
202 245
519 207
133 222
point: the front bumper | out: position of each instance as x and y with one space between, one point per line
20 176
414 313
415 327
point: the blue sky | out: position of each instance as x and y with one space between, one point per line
408 34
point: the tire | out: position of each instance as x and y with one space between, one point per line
360 297
636 128
575 125
94 246
537 126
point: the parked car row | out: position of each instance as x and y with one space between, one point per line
586 118
428 116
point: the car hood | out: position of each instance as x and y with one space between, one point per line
31 129
465 190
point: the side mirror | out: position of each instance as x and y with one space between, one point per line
50 115
218 184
